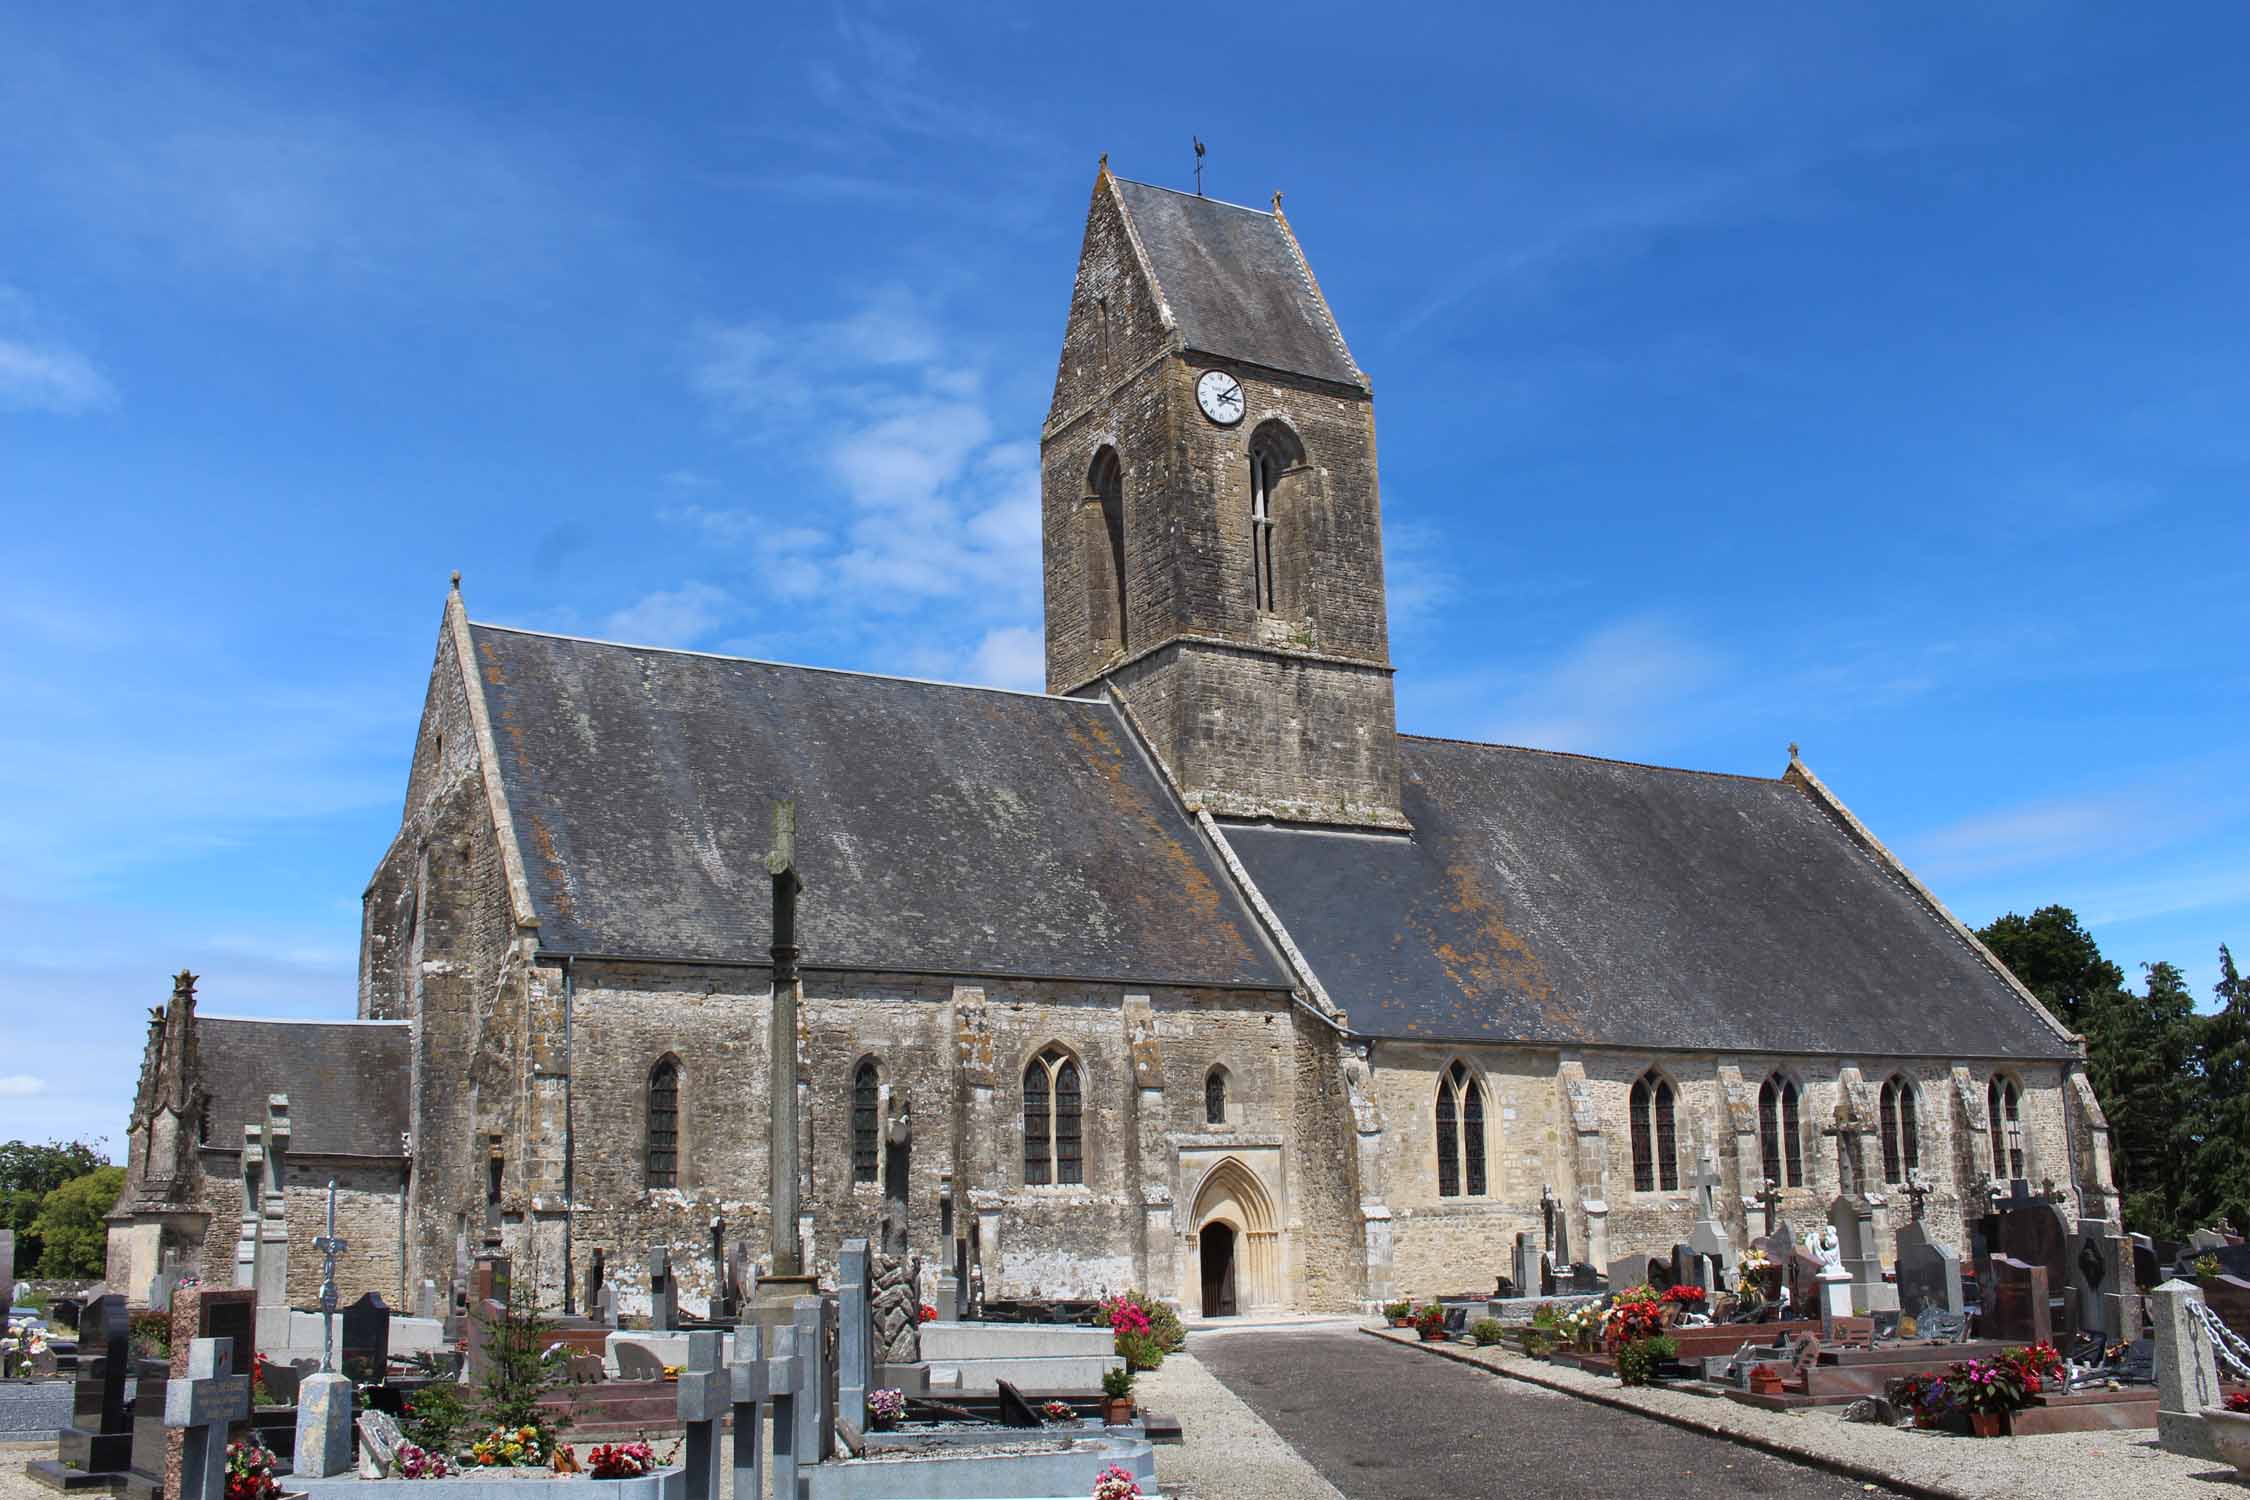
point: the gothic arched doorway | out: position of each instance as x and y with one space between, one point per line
1218 1270
1237 1242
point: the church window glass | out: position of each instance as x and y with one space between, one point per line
1779 1153
1215 1097
1656 1155
867 1096
664 1125
1460 1133
1902 1147
1052 1145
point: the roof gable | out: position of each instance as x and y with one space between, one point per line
1235 283
940 830
1560 899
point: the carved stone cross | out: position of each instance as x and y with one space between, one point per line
1547 1206
202 1405
1706 1181
329 1247
781 1085
1769 1199
1916 1191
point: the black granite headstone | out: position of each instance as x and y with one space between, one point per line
367 1339
1014 1410
99 1439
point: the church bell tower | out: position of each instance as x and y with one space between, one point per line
1213 534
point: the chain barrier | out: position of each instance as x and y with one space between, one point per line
2228 1345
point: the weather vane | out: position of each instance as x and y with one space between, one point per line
1198 164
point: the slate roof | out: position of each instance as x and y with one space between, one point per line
940 830
346 1081
1236 284
1555 898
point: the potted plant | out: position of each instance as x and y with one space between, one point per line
1429 1322
1399 1314
2229 1426
1117 1397
1989 1390
1765 1380
886 1408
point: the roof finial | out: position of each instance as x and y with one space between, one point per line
1198 164
1277 200
1792 749
1104 163
456 580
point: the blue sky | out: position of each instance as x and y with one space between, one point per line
1868 376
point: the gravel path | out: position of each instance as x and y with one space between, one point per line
1227 1452
2066 1466
1388 1423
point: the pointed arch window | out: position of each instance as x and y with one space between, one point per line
1051 1120
663 1156
1460 1133
1215 1097
1105 553
1656 1156
2004 1105
1901 1131
1781 1151
867 1098
1276 459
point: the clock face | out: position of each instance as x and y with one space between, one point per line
1220 396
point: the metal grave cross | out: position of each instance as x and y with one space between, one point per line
329 1247
211 1397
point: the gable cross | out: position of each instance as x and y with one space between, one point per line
329 1247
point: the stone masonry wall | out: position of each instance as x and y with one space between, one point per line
368 1218
1444 1245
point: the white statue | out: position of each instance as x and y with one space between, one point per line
1829 1251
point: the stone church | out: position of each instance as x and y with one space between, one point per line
1196 974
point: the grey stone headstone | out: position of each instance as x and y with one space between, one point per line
2187 1374
663 1294
324 1426
7 1274
605 1305
202 1406
379 1438
638 1362
855 1331
1526 1267
2019 1311
426 1299
365 1338
160 1288
1929 1274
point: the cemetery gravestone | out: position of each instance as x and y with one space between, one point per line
663 1296
2020 1312
855 1333
7 1275
99 1440
367 1339
152 1438
1526 1266
1929 1274
202 1407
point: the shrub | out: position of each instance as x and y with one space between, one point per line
1545 1316
73 1237
1485 1331
1117 1384
151 1333
1140 1350
1393 1311
432 1418
1638 1359
1163 1323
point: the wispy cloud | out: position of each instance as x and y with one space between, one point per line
50 379
21 1086
1603 692
670 617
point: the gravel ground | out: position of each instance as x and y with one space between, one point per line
2066 1466
1387 1423
1227 1451
13 1484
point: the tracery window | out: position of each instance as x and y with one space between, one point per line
1901 1132
1215 1097
867 1095
1460 1133
1275 457
1051 1119
1781 1149
2004 1106
1656 1155
664 1124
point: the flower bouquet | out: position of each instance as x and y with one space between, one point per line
1058 1411
411 1462
1429 1322
621 1461
1115 1483
250 1472
524 1447
886 1408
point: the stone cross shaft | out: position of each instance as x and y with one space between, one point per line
703 1396
203 1405
764 1374
1769 1200
788 993
329 1247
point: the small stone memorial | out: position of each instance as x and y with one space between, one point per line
1929 1274
2187 1373
663 1293
366 1337
2020 1311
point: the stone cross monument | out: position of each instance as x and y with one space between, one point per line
329 1247
779 1289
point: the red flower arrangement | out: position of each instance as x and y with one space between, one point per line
2239 1401
250 1472
1125 1315
1637 1314
1688 1299
620 1461
929 1313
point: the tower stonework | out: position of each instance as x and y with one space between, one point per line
1224 576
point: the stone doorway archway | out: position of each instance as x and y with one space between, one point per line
1237 1241
1217 1241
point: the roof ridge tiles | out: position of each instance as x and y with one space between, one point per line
794 666
1198 197
1602 760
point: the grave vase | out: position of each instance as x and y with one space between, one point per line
1117 1410
1987 1424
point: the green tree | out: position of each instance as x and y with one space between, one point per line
2140 1052
2057 960
2221 1171
73 1240
28 1173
